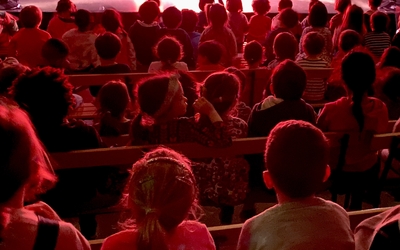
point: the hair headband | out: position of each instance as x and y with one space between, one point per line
173 87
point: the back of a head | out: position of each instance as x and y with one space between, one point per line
30 16
221 89
375 3
288 80
283 4
289 18
108 46
348 40
172 17
212 50
285 46
54 50
203 3
342 5
239 74
41 92
64 6
8 75
354 19
358 73
114 98
261 7
234 6
318 16
253 52
379 21
150 101
149 11
390 57
169 50
82 20
22 160
313 44
301 174
189 20
162 194
111 20
216 15
391 86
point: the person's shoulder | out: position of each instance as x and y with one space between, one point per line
121 240
70 33
70 238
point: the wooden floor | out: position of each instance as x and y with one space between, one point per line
300 6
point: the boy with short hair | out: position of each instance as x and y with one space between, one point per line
63 20
285 47
378 40
144 34
108 46
82 53
300 220
373 6
26 45
313 46
55 53
210 54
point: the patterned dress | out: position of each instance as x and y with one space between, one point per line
224 181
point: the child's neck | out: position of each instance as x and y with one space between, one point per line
285 199
313 57
107 62
254 65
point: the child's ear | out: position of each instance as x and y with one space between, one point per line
327 173
267 179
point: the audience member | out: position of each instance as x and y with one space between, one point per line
169 52
162 196
296 163
55 53
63 20
112 22
223 181
161 121
144 34
218 31
114 100
8 73
378 40
210 54
285 47
288 82
80 41
253 53
288 19
283 4
237 22
313 45
189 21
9 27
356 113
390 58
305 22
387 89
259 24
203 22
26 172
26 45
318 18
172 19
108 46
373 7
190 91
337 19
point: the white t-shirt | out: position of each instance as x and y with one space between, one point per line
21 233
320 224
156 66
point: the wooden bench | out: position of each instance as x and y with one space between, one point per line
226 237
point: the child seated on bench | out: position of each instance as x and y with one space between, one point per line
253 53
296 163
161 121
26 173
162 198
169 52
209 56
55 53
114 100
285 47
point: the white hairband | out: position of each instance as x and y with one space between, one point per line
173 87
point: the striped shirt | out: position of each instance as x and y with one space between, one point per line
377 42
315 88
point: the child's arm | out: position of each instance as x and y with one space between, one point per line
131 54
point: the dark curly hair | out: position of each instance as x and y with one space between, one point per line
45 94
